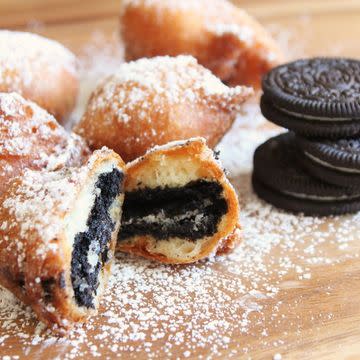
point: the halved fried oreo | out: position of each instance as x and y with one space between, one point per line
58 235
179 206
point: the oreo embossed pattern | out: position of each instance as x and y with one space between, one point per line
318 100
315 97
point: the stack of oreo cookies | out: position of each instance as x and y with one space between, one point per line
315 167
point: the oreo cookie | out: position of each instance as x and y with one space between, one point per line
279 179
334 161
316 97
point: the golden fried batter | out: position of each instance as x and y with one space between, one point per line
31 138
179 206
39 69
221 36
150 102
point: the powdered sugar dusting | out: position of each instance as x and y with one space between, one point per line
158 83
24 56
243 33
223 307
40 201
153 310
31 137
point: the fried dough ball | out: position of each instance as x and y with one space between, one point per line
153 101
31 138
40 69
221 36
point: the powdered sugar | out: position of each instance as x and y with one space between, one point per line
153 310
37 205
159 83
243 33
31 137
224 307
40 201
24 57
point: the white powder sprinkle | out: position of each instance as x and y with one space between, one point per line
215 307
154 310
25 139
24 56
243 33
182 80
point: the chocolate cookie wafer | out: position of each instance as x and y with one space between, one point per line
333 161
281 181
316 97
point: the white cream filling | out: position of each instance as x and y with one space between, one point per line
325 164
162 218
76 220
180 249
311 117
320 198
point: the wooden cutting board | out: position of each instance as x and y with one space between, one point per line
311 309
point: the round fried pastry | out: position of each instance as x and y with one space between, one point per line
57 237
153 101
40 69
223 38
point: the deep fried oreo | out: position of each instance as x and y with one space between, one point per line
179 207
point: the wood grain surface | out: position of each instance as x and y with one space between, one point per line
322 27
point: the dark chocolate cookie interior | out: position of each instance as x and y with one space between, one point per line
189 212
95 240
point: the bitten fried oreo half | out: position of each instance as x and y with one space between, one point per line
334 161
57 237
281 181
179 206
316 97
